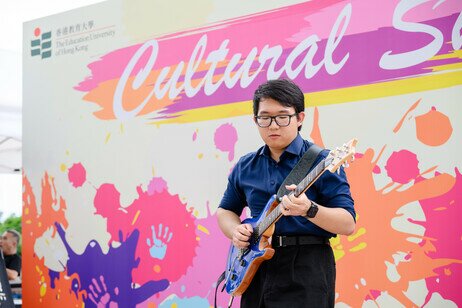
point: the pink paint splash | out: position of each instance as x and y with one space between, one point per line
77 175
225 139
442 225
402 166
194 137
156 209
200 280
373 294
156 185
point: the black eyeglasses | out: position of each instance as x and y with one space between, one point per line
281 120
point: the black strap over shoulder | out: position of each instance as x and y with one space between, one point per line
300 170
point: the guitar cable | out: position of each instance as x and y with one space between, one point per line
220 280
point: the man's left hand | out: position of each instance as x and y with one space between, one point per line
295 206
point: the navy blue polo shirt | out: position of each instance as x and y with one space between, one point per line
256 177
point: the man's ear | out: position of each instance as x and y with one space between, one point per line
300 118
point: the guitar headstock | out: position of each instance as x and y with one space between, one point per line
341 156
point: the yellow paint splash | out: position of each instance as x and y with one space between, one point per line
108 136
203 229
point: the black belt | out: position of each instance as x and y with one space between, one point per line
295 240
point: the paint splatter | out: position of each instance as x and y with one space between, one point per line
376 241
77 175
194 137
376 169
402 166
442 229
43 288
400 123
433 128
225 139
315 130
175 301
118 283
156 185
151 209
200 280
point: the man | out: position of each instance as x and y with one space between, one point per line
302 270
9 243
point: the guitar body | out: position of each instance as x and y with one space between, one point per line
242 264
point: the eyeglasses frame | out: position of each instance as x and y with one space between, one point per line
275 119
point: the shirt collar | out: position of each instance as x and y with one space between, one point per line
294 147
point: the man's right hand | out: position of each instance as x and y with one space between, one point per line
241 235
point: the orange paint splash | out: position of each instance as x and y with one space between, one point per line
433 128
36 289
380 241
103 95
315 131
400 123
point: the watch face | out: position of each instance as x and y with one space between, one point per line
312 210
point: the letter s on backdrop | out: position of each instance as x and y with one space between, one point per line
411 58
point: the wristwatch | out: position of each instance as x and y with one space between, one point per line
312 211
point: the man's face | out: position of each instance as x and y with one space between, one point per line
7 243
276 137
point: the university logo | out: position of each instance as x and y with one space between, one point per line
41 45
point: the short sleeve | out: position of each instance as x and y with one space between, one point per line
334 191
15 264
233 198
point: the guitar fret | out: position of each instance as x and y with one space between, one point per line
309 178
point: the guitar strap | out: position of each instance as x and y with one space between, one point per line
300 170
297 174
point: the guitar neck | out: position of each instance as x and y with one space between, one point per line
276 213
310 178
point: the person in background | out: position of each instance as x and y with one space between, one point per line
9 244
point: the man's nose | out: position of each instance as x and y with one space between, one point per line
273 124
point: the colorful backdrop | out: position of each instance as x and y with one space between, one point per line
135 112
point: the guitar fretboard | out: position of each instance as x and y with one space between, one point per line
275 214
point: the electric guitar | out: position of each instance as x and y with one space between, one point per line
242 264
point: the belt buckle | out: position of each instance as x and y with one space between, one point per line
281 241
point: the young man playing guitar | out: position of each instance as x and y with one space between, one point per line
302 271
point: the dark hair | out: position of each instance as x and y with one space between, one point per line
286 92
